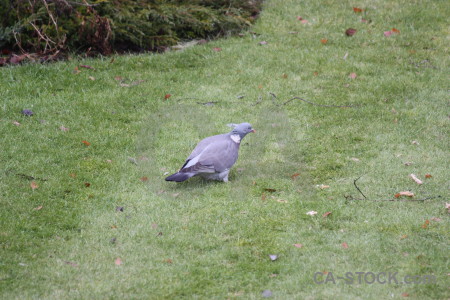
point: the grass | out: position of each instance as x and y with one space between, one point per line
209 240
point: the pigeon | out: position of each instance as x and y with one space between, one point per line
213 156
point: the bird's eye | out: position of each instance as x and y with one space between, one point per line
249 128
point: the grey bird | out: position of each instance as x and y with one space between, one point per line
214 156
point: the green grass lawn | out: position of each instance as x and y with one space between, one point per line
96 220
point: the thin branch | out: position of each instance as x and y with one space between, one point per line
354 182
321 105
392 200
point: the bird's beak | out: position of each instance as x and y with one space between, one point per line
253 130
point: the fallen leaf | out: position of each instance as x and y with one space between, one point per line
270 190
316 73
144 178
282 201
345 56
175 194
273 275
72 264
344 245
76 71
352 75
405 295
295 175
428 176
324 41
323 186
298 245
299 18
119 208
355 159
266 294
395 30
167 96
217 49
415 143
38 208
62 128
304 21
311 213
113 227
350 32
168 260
86 143
87 184
34 185
425 225
263 197
284 76
326 214
154 225
436 219
405 193
260 86
408 163
91 78
118 261
263 43
118 78
87 67
273 257
357 10
73 175
416 180
363 20
109 161
16 123
403 237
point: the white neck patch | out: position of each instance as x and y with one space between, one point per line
236 138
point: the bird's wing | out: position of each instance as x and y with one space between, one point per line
215 157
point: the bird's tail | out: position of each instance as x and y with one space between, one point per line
179 177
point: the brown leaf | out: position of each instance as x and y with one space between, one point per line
38 208
73 175
298 245
34 185
86 143
395 30
416 180
168 260
118 261
326 214
350 32
405 193
405 295
324 41
284 76
118 78
270 190
263 197
87 184
76 71
403 237
167 96
428 176
144 178
87 67
425 225
357 10
217 49
295 175
344 245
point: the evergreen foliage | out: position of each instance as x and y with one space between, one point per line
49 27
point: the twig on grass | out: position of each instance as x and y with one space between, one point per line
312 103
354 182
349 197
